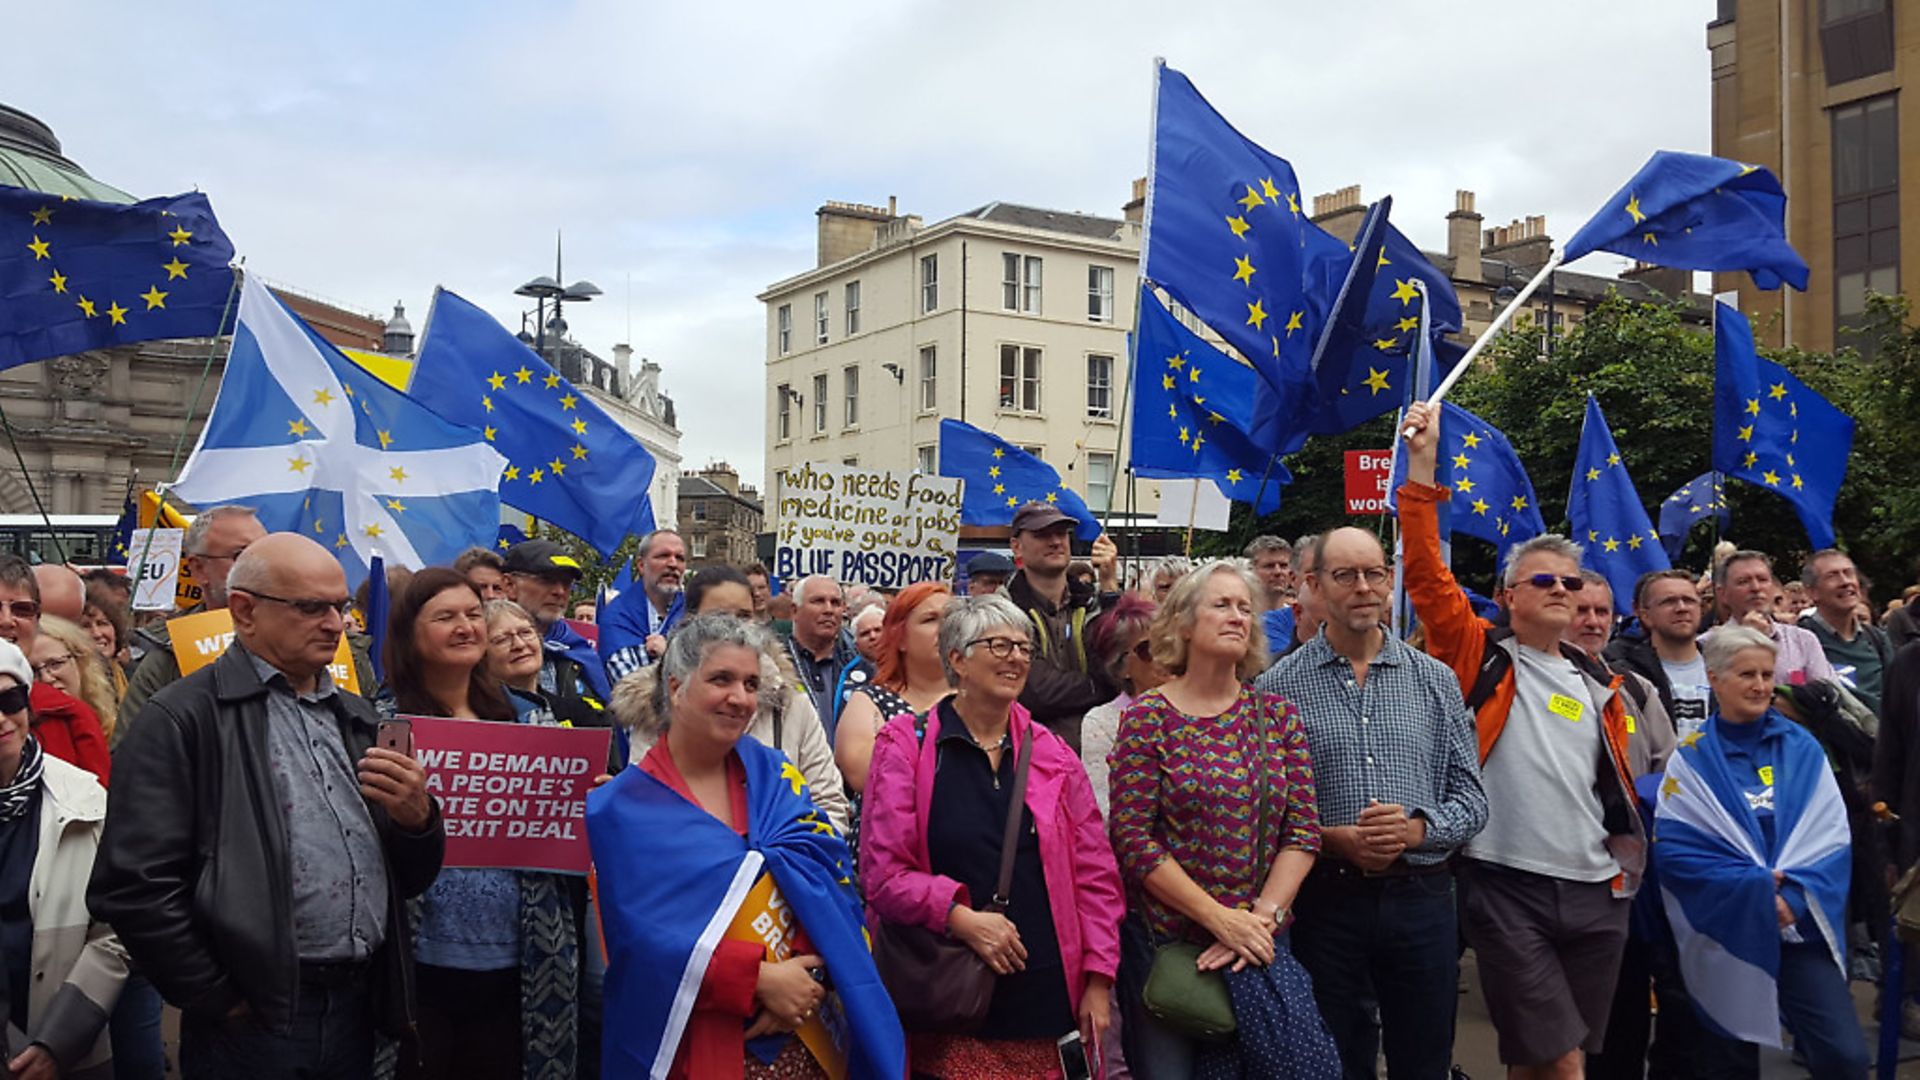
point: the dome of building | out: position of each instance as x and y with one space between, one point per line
30 158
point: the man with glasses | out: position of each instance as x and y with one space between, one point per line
212 543
1667 605
67 727
257 858
1547 882
1857 650
1396 775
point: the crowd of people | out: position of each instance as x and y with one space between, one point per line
1222 822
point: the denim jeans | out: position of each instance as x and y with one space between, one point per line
1152 1050
139 1052
1385 943
331 1039
1817 1006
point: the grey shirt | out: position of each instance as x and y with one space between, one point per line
1544 814
339 874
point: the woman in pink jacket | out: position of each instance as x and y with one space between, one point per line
932 826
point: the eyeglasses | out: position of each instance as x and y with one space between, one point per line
1375 576
14 699
1571 582
216 558
22 610
1004 648
311 609
508 637
58 663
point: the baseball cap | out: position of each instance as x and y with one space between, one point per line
1039 516
990 562
540 557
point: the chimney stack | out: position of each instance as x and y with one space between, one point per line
1135 209
1340 212
1672 283
623 363
1525 244
848 229
1463 237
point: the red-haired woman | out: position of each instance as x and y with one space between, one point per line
907 677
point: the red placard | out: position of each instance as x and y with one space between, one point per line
1368 474
514 796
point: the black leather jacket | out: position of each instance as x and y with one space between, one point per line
193 871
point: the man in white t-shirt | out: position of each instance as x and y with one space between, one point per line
1668 607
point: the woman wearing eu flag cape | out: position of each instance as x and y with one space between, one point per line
1752 854
734 941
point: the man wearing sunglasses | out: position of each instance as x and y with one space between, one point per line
1547 883
257 858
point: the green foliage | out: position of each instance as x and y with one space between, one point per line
595 571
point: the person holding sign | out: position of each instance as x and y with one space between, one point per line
715 830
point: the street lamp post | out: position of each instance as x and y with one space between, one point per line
543 289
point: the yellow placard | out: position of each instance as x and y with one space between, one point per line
201 638
1631 726
1571 708
765 919
1766 775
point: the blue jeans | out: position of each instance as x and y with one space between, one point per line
1152 1050
1385 943
139 1053
331 1039
1817 1007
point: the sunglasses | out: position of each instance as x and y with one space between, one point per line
23 610
311 609
1571 583
14 699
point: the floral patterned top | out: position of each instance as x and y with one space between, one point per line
1186 788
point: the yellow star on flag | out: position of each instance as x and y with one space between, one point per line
1376 379
1011 501
536 476
568 401
323 396
1592 475
1272 193
1633 209
998 453
1461 461
1233 476
117 313
1293 323
512 473
373 530
154 297
1408 323
1464 486
993 471
1777 391
486 402
523 376
1650 239
497 381
1243 269
40 248
1251 199
298 464
1797 485
551 380
579 426
86 307
1193 374
1670 786
396 506
1166 382
1746 433
1519 502
1753 406
297 427
489 432
341 541
1772 478
794 777
43 216
1256 314
1611 544
1613 459
1404 291
58 281
1750 460
1239 226
397 474
559 468
179 235
1470 441
1480 507
1053 496
1383 344
1176 361
1634 542
579 452
175 268
386 439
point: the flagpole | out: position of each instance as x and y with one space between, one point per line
1139 277
1419 387
1493 329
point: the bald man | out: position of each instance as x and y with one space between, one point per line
62 592
286 960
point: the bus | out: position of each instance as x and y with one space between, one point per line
86 538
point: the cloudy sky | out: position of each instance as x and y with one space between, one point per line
367 152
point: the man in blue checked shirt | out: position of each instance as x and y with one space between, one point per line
1397 774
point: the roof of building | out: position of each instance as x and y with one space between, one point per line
1090 226
30 158
695 486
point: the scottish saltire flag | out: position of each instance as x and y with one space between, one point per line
1691 503
568 463
77 274
1000 477
1698 213
672 877
1771 430
1606 514
1492 496
1716 868
1193 411
323 448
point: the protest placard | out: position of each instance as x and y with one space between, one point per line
153 565
865 526
200 639
513 796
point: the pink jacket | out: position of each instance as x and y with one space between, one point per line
1083 881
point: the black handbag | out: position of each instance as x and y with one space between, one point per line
939 985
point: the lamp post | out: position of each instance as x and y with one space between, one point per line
543 289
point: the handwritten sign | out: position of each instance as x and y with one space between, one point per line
865 526
514 796
201 638
153 564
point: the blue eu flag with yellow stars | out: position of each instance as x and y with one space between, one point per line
1698 213
123 529
509 536
1606 514
567 461
1000 477
1771 430
77 274
1492 496
1691 503
1193 412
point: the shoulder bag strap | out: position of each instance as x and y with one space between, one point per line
1260 787
1010 839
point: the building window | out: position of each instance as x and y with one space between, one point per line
700 511
853 461
1866 211
1856 39
1020 378
1036 451
783 413
929 379
926 460
1100 387
853 308
1099 481
1100 294
783 321
698 542
820 404
1020 283
929 282
851 377
820 318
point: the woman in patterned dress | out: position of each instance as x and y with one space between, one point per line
1189 768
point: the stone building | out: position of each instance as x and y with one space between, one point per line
719 518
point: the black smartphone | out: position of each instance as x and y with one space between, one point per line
396 735
1074 1063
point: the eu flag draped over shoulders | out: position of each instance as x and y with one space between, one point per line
1193 411
1619 541
567 461
77 274
1492 496
1771 430
1000 477
1698 213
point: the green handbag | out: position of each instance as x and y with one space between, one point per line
1186 999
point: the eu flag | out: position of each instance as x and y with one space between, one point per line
1606 513
1000 477
509 535
1698 213
1493 497
567 461
1691 503
123 529
1193 411
1770 429
1343 348
77 274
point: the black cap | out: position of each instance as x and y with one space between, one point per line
540 557
990 562
1039 516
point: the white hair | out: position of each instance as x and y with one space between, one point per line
1729 641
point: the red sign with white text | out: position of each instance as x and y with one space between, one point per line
514 796
1368 474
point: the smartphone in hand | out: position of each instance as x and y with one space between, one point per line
396 735
1074 1063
